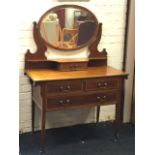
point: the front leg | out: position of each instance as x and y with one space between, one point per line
97 114
117 118
42 138
43 127
33 115
43 116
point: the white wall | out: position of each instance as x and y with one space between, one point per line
112 14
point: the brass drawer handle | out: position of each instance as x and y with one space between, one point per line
65 89
102 84
64 101
101 98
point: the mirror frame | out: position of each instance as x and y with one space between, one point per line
69 6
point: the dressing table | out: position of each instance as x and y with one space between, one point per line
59 84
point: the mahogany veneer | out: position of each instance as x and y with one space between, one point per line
74 83
56 90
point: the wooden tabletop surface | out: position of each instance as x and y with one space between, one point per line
92 72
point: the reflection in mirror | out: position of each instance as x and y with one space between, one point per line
68 28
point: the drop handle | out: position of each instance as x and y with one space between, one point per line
102 84
101 98
65 89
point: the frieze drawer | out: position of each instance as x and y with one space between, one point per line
94 99
64 86
103 98
102 84
65 101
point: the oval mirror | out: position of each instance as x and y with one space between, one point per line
68 27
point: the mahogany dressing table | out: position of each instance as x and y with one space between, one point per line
59 84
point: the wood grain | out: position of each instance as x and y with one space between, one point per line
38 75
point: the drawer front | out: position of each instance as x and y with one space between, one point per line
64 87
103 98
65 101
72 66
91 99
102 84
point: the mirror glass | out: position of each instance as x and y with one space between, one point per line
68 27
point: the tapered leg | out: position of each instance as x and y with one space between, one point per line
43 119
33 115
43 128
97 114
117 121
42 138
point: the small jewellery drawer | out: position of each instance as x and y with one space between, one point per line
102 83
72 66
64 86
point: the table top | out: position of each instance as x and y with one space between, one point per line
38 75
